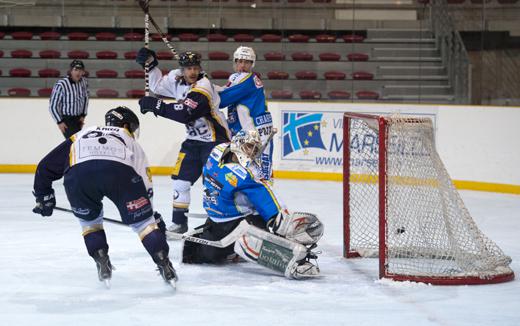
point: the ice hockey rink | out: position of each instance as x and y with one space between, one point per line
47 278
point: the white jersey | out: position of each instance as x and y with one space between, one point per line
170 85
113 144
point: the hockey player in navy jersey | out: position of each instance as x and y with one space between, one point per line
100 162
197 107
232 194
244 97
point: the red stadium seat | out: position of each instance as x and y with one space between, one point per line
19 72
335 75
274 56
47 36
479 2
456 2
78 36
107 93
302 56
164 55
22 35
105 36
20 54
49 54
220 74
357 57
367 95
277 75
362 75
245 0
2 34
106 73
217 55
0 72
134 74
1 53
295 1
135 93
338 95
310 95
299 38
325 38
322 1
216 37
353 38
78 54
282 95
330 56
133 36
48 73
130 55
244 37
502 2
19 91
44 92
106 55
188 37
271 38
157 37
308 75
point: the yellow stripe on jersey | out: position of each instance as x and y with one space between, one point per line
203 92
213 133
243 80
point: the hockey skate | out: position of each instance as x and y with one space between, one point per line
104 266
165 268
178 228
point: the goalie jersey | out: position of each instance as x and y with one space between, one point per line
231 190
94 143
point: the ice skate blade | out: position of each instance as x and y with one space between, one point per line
173 284
107 283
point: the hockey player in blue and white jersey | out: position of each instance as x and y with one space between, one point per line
244 97
233 195
100 162
197 107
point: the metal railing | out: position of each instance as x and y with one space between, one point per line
453 53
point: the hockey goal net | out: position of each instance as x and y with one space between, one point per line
400 205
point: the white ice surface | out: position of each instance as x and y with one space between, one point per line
47 278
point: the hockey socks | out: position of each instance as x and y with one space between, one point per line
95 239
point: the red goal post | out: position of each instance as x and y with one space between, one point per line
401 206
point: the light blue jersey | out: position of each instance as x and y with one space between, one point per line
247 109
231 191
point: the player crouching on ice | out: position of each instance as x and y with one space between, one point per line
235 199
105 161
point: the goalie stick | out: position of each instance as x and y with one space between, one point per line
222 243
145 6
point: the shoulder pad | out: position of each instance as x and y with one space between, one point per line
204 84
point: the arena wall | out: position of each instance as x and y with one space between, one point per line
479 145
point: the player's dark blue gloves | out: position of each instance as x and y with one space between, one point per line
150 104
45 204
143 54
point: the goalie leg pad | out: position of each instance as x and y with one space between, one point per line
275 253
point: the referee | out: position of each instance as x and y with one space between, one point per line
69 100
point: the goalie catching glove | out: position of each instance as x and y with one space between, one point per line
304 228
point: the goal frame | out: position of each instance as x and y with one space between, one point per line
348 252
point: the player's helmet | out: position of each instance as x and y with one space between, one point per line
246 145
120 116
78 64
244 53
189 59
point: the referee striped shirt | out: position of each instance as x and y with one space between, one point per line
69 98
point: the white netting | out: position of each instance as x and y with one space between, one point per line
429 230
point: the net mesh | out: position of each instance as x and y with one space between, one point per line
429 230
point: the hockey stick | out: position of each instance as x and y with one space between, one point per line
110 220
222 243
197 215
144 6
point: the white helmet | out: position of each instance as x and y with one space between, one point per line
246 145
244 53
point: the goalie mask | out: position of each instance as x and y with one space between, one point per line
120 116
246 145
245 53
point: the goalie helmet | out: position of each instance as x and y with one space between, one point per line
246 145
120 116
244 53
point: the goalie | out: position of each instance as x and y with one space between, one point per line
274 238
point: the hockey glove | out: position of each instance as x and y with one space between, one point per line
45 204
144 55
150 104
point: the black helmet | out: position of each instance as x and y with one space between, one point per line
78 64
189 59
120 116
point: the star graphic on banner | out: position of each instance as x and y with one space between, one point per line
309 133
306 142
316 127
324 124
305 152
